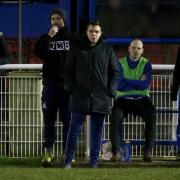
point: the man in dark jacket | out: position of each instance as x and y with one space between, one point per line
5 55
91 78
5 58
174 93
176 79
52 48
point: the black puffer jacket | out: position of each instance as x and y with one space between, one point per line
176 79
53 53
91 75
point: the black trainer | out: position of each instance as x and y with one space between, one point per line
178 156
147 157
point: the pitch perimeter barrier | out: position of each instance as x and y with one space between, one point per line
21 124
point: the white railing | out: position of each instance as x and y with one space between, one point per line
39 66
21 123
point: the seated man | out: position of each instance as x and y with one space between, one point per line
133 97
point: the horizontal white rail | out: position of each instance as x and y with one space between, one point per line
163 66
39 66
21 66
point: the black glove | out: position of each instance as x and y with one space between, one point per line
112 94
173 96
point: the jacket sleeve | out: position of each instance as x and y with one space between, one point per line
113 74
69 70
42 46
176 79
142 84
122 84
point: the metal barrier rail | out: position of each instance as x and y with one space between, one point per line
114 41
21 124
39 66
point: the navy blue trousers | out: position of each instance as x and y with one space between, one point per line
54 99
96 126
141 107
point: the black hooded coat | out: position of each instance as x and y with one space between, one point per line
91 76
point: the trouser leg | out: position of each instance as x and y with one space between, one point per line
95 136
149 132
49 126
65 115
49 108
74 131
148 114
116 130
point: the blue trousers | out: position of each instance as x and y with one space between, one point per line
54 99
77 121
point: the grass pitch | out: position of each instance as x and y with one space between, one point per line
31 169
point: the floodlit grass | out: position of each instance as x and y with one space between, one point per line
22 169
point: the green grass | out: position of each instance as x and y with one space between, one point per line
22 169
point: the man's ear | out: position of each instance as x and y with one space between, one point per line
142 50
128 48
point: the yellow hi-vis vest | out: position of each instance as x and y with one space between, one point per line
133 74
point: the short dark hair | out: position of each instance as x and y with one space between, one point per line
93 23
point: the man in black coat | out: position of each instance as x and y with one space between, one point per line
5 55
91 74
174 93
5 58
52 48
176 79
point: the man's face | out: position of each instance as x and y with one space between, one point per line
57 20
93 33
136 49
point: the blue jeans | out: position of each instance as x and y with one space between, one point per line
77 121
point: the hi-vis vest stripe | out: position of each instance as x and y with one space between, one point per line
134 74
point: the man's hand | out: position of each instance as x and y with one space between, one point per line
143 77
53 31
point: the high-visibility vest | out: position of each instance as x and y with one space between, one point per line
134 74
